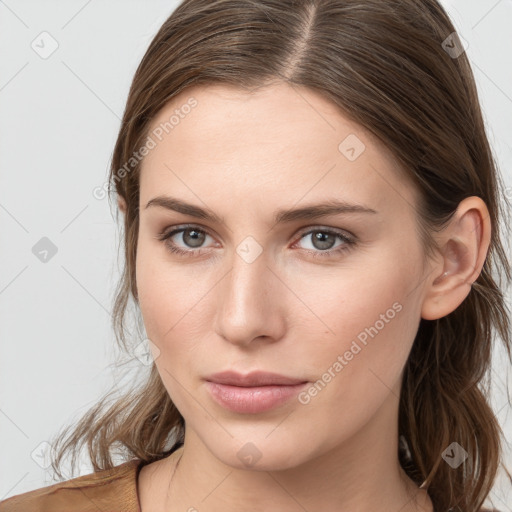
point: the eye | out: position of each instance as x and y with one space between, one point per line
322 241
190 235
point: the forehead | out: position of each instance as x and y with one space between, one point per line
280 143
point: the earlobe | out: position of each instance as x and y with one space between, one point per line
121 203
464 245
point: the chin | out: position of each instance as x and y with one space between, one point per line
259 455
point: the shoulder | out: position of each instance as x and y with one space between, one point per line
109 489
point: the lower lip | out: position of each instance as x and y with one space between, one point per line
252 399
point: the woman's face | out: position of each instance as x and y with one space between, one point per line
334 300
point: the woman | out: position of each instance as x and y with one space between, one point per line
311 214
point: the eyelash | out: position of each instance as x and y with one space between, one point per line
349 243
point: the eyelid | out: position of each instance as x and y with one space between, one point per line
169 232
320 227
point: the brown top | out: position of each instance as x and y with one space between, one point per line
109 490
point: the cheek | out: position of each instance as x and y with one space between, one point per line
374 318
172 308
172 298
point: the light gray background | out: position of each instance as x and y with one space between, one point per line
58 123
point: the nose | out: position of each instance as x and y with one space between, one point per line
251 302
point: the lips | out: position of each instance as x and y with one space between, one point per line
253 379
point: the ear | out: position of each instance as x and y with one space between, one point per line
464 243
121 203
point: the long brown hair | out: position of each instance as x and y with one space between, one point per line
389 65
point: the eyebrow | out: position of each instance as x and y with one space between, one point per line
330 207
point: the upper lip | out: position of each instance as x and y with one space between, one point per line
256 378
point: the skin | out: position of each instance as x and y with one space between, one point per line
244 156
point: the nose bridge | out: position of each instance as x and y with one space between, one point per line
248 298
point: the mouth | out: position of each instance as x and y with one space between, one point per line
255 378
252 393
